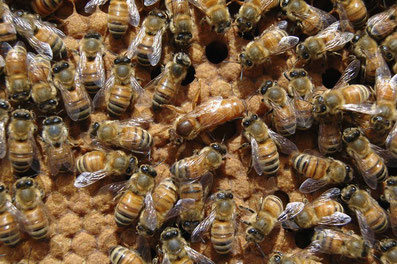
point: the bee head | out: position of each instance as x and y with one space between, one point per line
52 120
243 24
223 195
348 192
22 114
276 258
24 183
220 148
249 119
266 87
5 105
122 60
132 164
303 51
58 67
169 233
94 131
245 61
182 58
351 134
386 244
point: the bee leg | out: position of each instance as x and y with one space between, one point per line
246 208
244 145
260 250
196 96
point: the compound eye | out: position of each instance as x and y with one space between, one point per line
144 169
230 196
391 182
240 20
285 3
255 117
56 69
303 73
20 185
293 74
356 38
117 61
220 196
29 183
2 188
246 123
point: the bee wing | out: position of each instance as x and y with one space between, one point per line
3 140
166 259
391 136
155 56
332 193
369 179
197 257
366 231
55 166
349 74
325 18
134 13
206 181
8 17
92 4
100 73
264 4
114 188
203 227
285 44
137 121
181 206
132 48
339 40
2 61
136 86
291 210
286 146
50 27
149 2
150 86
143 248
199 5
255 156
191 162
310 185
11 208
151 219
210 106
5 48
386 155
365 108
382 72
68 100
88 178
319 246
381 23
100 96
393 219
336 219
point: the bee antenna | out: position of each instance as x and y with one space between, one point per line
260 249
241 73
286 76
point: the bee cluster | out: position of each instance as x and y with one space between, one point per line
105 165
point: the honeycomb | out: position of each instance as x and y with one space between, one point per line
82 225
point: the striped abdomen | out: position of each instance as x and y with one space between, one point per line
118 18
165 92
9 230
144 49
45 7
135 139
128 208
284 120
21 155
310 166
304 114
122 255
222 236
268 157
37 223
119 99
329 137
373 166
90 77
194 213
189 168
77 103
376 218
271 39
57 45
317 211
355 94
272 205
164 196
356 12
7 32
91 161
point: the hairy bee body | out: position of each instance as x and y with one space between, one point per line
312 214
355 10
89 77
7 28
269 157
389 50
390 195
330 135
382 24
388 248
119 99
21 155
191 217
118 18
182 23
9 229
251 11
123 255
217 14
301 257
92 161
45 7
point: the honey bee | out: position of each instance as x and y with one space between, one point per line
96 165
91 69
251 11
310 19
208 115
7 28
21 144
263 141
146 45
166 85
120 89
273 40
176 249
123 255
338 242
216 14
282 109
300 87
370 164
354 10
371 217
388 248
121 13
181 21
44 37
55 136
320 171
197 190
27 197
382 24
222 223
45 7
390 194
75 98
193 167
329 133
389 50
9 230
304 256
16 71
5 108
322 211
328 39
133 198
125 134
44 94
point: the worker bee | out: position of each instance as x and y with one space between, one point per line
44 37
329 133
282 109
44 94
16 71
175 249
45 7
371 217
304 256
197 190
27 197
338 242
193 167
264 142
120 89
352 10
388 248
121 13
382 24
251 11
181 21
7 27
208 115
371 166
273 40
389 49
320 171
98 164
5 108
91 69
216 14
222 223
166 85
125 134
9 230
322 211
21 144
123 255
390 195
55 136
328 39
300 87
134 196
75 98
147 44
310 19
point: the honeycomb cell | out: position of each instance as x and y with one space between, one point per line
59 246
93 223
107 239
80 203
69 224
83 244
56 204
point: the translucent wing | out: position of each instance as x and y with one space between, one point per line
132 48
143 248
150 86
336 219
329 30
100 73
210 106
92 4
264 4
366 231
386 155
151 219
149 2
114 188
8 18
11 208
349 74
50 27
365 108
134 13
56 165
255 157
368 177
332 193
310 185
136 86
5 48
199 5
286 146
39 46
281 25
285 44
69 98
192 162
3 140
291 210
325 18
2 61
197 257
382 73
136 121
100 97
320 246
340 39
155 56
181 206
88 178
301 105
381 24
203 227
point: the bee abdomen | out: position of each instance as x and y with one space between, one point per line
122 255
119 99
9 231
376 167
37 225
268 158
118 17
128 208
142 55
45 7
222 236
6 33
164 94
21 155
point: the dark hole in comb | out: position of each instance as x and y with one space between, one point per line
330 77
190 76
234 7
225 131
65 10
155 72
324 5
283 196
216 52
303 237
80 8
